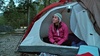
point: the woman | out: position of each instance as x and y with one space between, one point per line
58 30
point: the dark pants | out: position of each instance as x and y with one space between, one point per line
71 38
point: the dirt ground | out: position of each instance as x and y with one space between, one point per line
8 45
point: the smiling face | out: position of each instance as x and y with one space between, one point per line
55 19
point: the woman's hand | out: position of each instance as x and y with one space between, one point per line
55 43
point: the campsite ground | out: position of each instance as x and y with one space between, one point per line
8 45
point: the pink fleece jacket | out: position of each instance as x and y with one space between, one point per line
60 35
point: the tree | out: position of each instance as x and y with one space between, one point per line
2 20
12 15
32 8
23 14
1 5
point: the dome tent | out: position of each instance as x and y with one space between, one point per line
32 41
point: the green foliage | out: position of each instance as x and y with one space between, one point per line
53 1
14 18
17 16
2 20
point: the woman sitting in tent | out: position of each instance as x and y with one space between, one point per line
58 31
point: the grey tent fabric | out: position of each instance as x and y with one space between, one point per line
82 26
93 6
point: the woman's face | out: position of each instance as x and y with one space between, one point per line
55 19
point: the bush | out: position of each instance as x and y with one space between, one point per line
4 28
